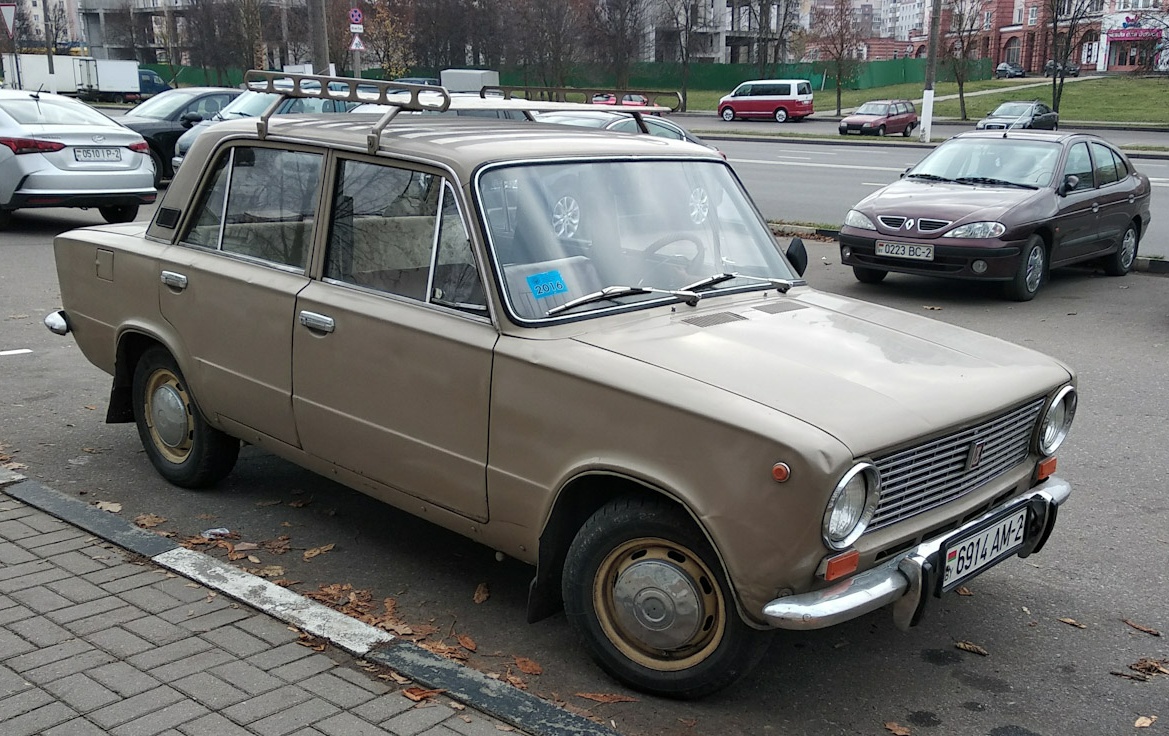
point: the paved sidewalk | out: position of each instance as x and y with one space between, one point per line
97 640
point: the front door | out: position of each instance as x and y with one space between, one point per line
1076 221
392 350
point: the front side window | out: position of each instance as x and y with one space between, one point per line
261 203
1079 164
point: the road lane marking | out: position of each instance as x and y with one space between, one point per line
814 153
873 184
802 158
21 351
814 165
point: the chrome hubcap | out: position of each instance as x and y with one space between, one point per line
566 217
658 604
1034 268
168 415
1128 248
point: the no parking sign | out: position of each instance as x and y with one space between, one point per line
355 15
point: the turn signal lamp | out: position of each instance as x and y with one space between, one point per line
1047 468
842 564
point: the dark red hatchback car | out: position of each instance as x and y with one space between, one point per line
1005 207
881 117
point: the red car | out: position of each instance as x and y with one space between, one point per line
630 100
881 117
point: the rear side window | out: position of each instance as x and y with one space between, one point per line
804 88
773 90
1106 172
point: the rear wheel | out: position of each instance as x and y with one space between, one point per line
908 130
781 115
728 114
1031 273
869 275
119 213
181 445
1120 262
645 592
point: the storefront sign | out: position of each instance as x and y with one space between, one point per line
1134 34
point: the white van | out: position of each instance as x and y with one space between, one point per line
781 99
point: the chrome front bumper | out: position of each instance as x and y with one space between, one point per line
909 579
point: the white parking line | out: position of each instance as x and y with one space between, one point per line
21 351
814 153
820 166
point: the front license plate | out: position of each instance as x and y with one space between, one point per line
97 154
970 555
905 250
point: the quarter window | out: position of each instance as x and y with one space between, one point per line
260 203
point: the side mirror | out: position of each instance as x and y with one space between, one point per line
190 118
798 255
1070 182
903 173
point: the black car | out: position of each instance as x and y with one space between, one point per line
164 117
1015 115
1009 69
1063 70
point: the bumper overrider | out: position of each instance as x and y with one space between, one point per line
912 577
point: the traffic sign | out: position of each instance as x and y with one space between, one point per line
9 12
356 44
355 15
356 28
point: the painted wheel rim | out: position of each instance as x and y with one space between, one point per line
1035 260
566 216
1128 248
659 605
169 416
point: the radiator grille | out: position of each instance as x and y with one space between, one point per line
926 225
891 221
933 473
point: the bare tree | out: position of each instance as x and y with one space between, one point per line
618 35
387 39
251 27
678 26
1066 19
834 37
56 25
965 28
548 38
772 22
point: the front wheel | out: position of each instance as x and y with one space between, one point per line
881 131
1031 273
1120 262
728 114
645 592
781 115
181 445
119 213
159 171
869 275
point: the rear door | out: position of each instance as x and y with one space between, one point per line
1116 192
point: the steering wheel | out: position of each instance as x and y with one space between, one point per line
676 237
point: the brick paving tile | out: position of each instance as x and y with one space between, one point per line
281 655
209 690
14 554
186 611
135 707
46 655
270 630
85 610
14 613
303 669
215 619
11 683
119 642
140 580
77 590
42 522
476 726
97 622
162 719
41 599
76 727
441 730
22 703
173 652
156 630
40 631
82 693
262 706
70 544
347 724
189 666
43 577
150 599
123 679
213 724
45 540
237 641
337 690
291 719
384 707
181 588
57 670
246 677
121 569
38 720
416 720
362 680
76 562
13 530
12 645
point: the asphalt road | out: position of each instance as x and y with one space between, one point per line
1105 563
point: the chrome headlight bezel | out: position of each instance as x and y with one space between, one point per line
977 230
867 474
859 220
1057 421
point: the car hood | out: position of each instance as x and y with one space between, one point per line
866 374
943 201
862 118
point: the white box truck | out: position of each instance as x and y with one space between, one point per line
104 80
33 73
107 80
468 80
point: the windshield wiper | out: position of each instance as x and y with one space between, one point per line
711 281
931 177
992 180
613 292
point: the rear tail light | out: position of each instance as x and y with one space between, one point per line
30 145
140 147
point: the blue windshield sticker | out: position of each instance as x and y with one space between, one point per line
549 283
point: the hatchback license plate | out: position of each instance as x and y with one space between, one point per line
97 154
905 250
970 555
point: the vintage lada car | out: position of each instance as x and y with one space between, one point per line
583 349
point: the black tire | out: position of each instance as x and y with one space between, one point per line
1032 271
159 168
728 114
908 130
1120 262
119 99
638 549
5 219
880 131
119 213
182 446
869 275
780 115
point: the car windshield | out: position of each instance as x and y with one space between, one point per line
47 110
1016 161
247 105
1012 109
637 230
162 106
873 108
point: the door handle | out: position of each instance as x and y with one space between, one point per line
1095 206
174 280
318 322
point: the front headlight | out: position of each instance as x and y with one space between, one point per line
1057 421
976 230
852 505
856 219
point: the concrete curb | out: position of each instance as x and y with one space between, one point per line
497 699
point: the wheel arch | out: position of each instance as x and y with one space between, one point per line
132 344
579 499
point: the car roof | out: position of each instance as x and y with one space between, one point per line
1030 133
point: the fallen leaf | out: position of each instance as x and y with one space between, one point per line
963 590
967 646
928 308
1148 666
688 722
1138 627
253 559
1129 676
1026 610
443 650
896 729
481 593
149 521
1072 622
311 553
269 571
418 694
277 546
457 706
300 503
466 719
273 502
400 679
607 697
528 667
1145 721
501 727
515 681
91 407
467 642
246 547
91 450
112 506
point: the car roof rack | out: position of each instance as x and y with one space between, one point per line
346 89
581 98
